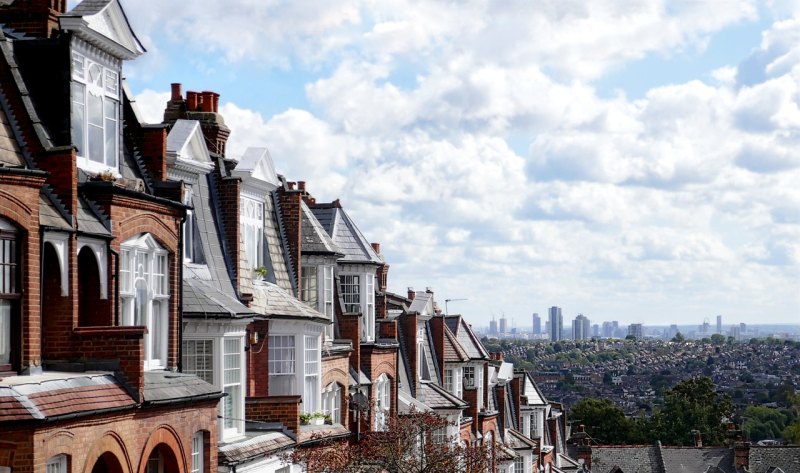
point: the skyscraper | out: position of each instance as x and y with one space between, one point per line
580 328
719 324
493 327
503 325
537 324
556 323
635 330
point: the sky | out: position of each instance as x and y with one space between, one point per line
628 160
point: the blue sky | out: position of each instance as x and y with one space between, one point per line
631 161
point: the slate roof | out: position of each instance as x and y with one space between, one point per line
90 220
466 337
530 391
273 301
436 397
518 441
631 459
315 240
50 215
260 444
207 219
202 299
345 234
420 303
53 394
453 351
279 271
690 460
762 458
10 152
168 386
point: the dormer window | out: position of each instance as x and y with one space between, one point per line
95 94
251 219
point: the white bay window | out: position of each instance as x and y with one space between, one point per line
144 294
332 402
311 374
382 402
232 412
281 365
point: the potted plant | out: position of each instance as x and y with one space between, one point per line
260 272
314 418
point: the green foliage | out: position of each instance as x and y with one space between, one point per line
764 423
718 339
604 422
678 337
693 405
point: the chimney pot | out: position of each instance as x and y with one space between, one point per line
177 94
290 184
216 102
301 185
411 293
192 100
208 101
376 247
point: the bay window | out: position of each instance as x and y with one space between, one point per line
281 365
251 221
332 402
452 381
519 464
311 374
144 294
95 92
9 292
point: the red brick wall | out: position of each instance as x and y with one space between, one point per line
34 17
283 409
257 360
376 361
154 152
409 322
61 164
437 331
348 328
228 190
336 370
19 203
130 436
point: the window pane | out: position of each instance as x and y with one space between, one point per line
308 291
281 354
95 122
351 292
79 117
158 329
198 359
197 453
232 361
112 134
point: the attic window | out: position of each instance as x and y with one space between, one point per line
95 113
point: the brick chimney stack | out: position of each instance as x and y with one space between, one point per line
37 18
382 276
411 293
203 107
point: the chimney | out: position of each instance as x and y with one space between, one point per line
697 438
37 18
411 293
301 185
741 455
376 247
192 102
291 216
208 101
429 290
583 449
176 92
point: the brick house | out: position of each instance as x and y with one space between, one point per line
90 251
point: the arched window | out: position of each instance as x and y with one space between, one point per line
57 464
382 402
9 293
332 402
144 294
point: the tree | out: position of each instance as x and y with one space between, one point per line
764 423
678 337
409 444
692 405
604 422
718 339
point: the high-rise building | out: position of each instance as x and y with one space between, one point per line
556 323
719 324
493 327
673 330
546 328
596 330
615 329
503 325
537 324
635 330
580 327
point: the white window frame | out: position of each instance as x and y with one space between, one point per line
382 402
198 452
311 373
107 89
144 287
282 364
232 374
9 286
189 253
351 292
332 402
251 221
452 381
519 464
56 464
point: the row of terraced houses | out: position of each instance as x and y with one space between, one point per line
168 308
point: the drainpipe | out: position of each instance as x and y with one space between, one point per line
116 285
180 300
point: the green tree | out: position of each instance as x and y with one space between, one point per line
678 337
764 423
718 339
692 405
604 422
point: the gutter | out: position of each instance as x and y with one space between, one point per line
199 397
